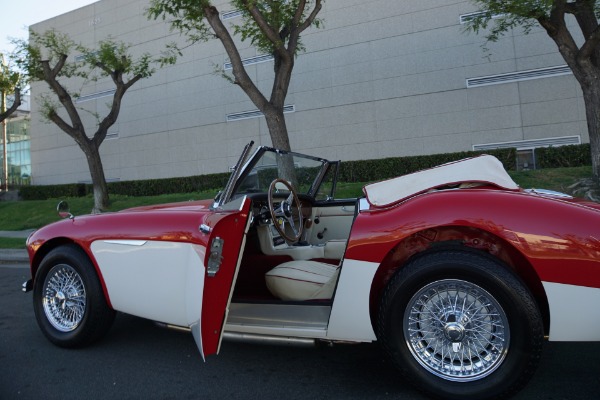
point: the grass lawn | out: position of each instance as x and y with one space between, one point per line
20 215
12 243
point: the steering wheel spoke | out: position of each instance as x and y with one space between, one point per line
289 210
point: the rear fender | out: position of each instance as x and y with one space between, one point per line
468 238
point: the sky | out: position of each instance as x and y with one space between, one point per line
16 16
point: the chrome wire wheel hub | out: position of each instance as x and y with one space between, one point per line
456 330
64 298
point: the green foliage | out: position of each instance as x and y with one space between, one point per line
186 16
563 156
12 243
375 170
279 16
10 77
189 18
350 173
507 15
155 187
11 82
150 187
20 215
50 46
53 46
38 192
111 56
499 16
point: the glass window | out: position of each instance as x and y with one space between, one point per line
18 152
301 171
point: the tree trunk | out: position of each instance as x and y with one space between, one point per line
279 138
277 127
98 180
591 97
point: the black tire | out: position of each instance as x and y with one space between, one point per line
68 301
486 345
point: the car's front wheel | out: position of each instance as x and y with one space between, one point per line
69 304
460 324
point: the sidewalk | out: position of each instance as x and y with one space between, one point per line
14 255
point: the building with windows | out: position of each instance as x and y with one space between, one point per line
18 146
382 78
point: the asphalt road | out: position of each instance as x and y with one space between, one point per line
138 360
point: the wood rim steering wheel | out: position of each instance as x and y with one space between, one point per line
284 212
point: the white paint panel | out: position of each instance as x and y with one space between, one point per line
350 317
574 312
160 281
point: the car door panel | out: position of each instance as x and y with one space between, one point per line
230 227
331 222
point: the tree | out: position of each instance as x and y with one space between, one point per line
45 58
274 27
500 16
10 80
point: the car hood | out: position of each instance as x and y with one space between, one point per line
196 205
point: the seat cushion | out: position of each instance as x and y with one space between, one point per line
302 280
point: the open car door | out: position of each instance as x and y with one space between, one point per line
227 228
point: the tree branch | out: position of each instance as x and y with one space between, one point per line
585 15
239 72
297 30
264 26
14 106
590 47
63 96
309 20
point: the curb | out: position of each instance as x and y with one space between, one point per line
13 256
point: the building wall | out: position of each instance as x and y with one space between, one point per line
383 78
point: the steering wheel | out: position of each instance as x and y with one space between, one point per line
284 212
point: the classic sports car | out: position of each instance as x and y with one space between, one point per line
455 270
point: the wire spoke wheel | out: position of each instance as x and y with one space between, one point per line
456 330
64 298
458 323
68 299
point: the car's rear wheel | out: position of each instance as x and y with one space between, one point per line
461 324
69 304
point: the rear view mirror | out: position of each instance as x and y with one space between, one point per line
63 210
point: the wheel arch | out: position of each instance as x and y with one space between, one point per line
43 251
468 239
52 244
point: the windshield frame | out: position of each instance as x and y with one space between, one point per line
239 174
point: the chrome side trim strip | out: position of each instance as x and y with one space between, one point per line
127 242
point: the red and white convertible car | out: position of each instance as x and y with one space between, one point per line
457 272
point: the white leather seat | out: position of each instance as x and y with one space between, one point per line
302 280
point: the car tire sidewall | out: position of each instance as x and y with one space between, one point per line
524 320
97 316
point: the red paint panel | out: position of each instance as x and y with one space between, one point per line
560 239
172 222
229 226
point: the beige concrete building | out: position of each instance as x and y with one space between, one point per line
383 78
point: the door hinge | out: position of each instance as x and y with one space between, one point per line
215 257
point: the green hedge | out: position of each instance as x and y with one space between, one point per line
153 187
375 170
350 171
563 156
38 192
150 187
